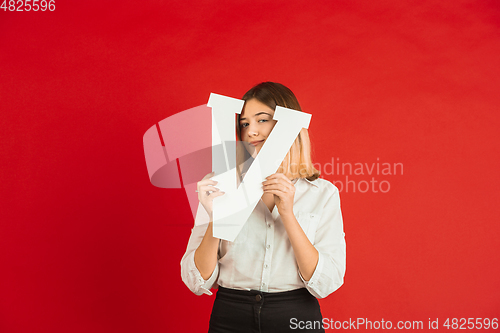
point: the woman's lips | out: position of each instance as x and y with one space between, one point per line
256 143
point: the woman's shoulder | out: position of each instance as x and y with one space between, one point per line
317 194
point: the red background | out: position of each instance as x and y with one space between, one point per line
87 244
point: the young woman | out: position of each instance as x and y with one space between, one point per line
290 251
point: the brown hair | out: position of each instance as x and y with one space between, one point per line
297 163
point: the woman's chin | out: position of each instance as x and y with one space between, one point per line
254 152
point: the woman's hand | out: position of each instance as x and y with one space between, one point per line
283 190
207 192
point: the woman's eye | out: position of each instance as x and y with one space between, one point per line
246 124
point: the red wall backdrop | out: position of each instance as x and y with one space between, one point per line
87 244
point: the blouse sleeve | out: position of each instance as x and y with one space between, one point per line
190 274
330 243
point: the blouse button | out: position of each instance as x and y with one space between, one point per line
268 246
266 266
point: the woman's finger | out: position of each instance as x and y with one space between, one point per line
277 182
278 177
207 182
204 189
209 175
276 187
276 192
216 194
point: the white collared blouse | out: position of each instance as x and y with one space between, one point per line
261 257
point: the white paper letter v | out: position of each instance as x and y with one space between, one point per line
231 210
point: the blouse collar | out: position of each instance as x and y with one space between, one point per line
314 182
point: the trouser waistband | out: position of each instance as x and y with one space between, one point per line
252 296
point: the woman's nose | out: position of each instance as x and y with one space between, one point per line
252 130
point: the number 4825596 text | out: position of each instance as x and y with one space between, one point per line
28 5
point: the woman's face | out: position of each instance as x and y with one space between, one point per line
256 123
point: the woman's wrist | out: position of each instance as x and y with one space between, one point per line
287 216
205 256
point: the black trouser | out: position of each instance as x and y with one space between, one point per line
242 311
